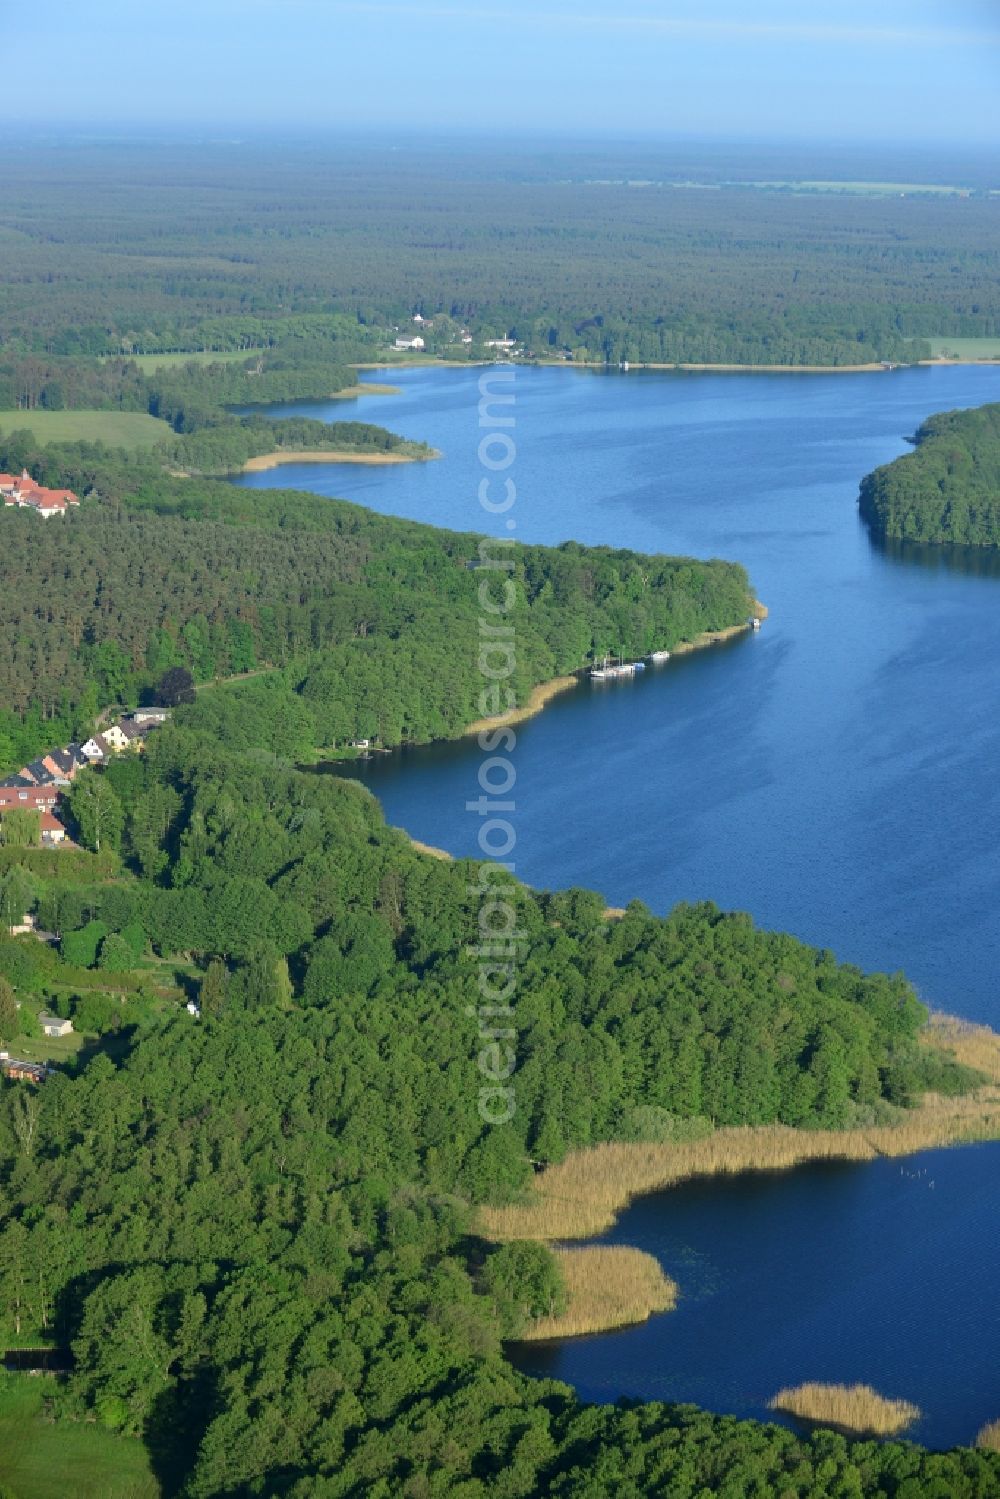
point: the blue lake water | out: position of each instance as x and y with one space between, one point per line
835 775
835 1272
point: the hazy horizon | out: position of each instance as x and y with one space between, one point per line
886 72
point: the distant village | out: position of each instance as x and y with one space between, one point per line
39 786
415 343
26 494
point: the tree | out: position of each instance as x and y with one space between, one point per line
80 947
176 686
9 1020
96 810
21 827
116 954
526 1282
18 892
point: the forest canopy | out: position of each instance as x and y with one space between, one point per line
948 489
366 626
254 1227
646 254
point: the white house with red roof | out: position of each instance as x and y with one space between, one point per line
26 494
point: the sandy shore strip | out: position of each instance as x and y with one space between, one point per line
427 848
329 455
546 691
540 695
372 388
583 1194
714 637
721 369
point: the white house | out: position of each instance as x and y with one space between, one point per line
96 748
116 737
52 1025
416 342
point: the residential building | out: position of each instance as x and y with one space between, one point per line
24 492
148 715
416 342
54 1025
53 832
32 798
39 773
29 1072
115 736
134 734
96 749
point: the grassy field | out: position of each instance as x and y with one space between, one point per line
149 362
966 348
46 1048
40 1459
120 429
867 189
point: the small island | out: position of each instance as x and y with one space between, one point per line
947 490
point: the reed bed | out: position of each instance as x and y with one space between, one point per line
855 1408
606 1286
540 695
972 1045
582 1195
989 1437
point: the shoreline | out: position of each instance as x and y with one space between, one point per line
584 1194
871 367
374 389
329 455
546 691
427 848
540 696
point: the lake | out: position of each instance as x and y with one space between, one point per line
882 1272
835 775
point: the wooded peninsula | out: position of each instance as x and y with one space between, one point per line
948 489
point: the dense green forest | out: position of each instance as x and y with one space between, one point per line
254 1229
948 489
371 622
254 1226
606 254
200 403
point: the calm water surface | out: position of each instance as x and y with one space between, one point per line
835 775
835 1272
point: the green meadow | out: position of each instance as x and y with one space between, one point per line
966 348
119 429
42 1459
149 362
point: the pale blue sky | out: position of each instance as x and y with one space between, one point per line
833 69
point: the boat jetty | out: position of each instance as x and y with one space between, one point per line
613 667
